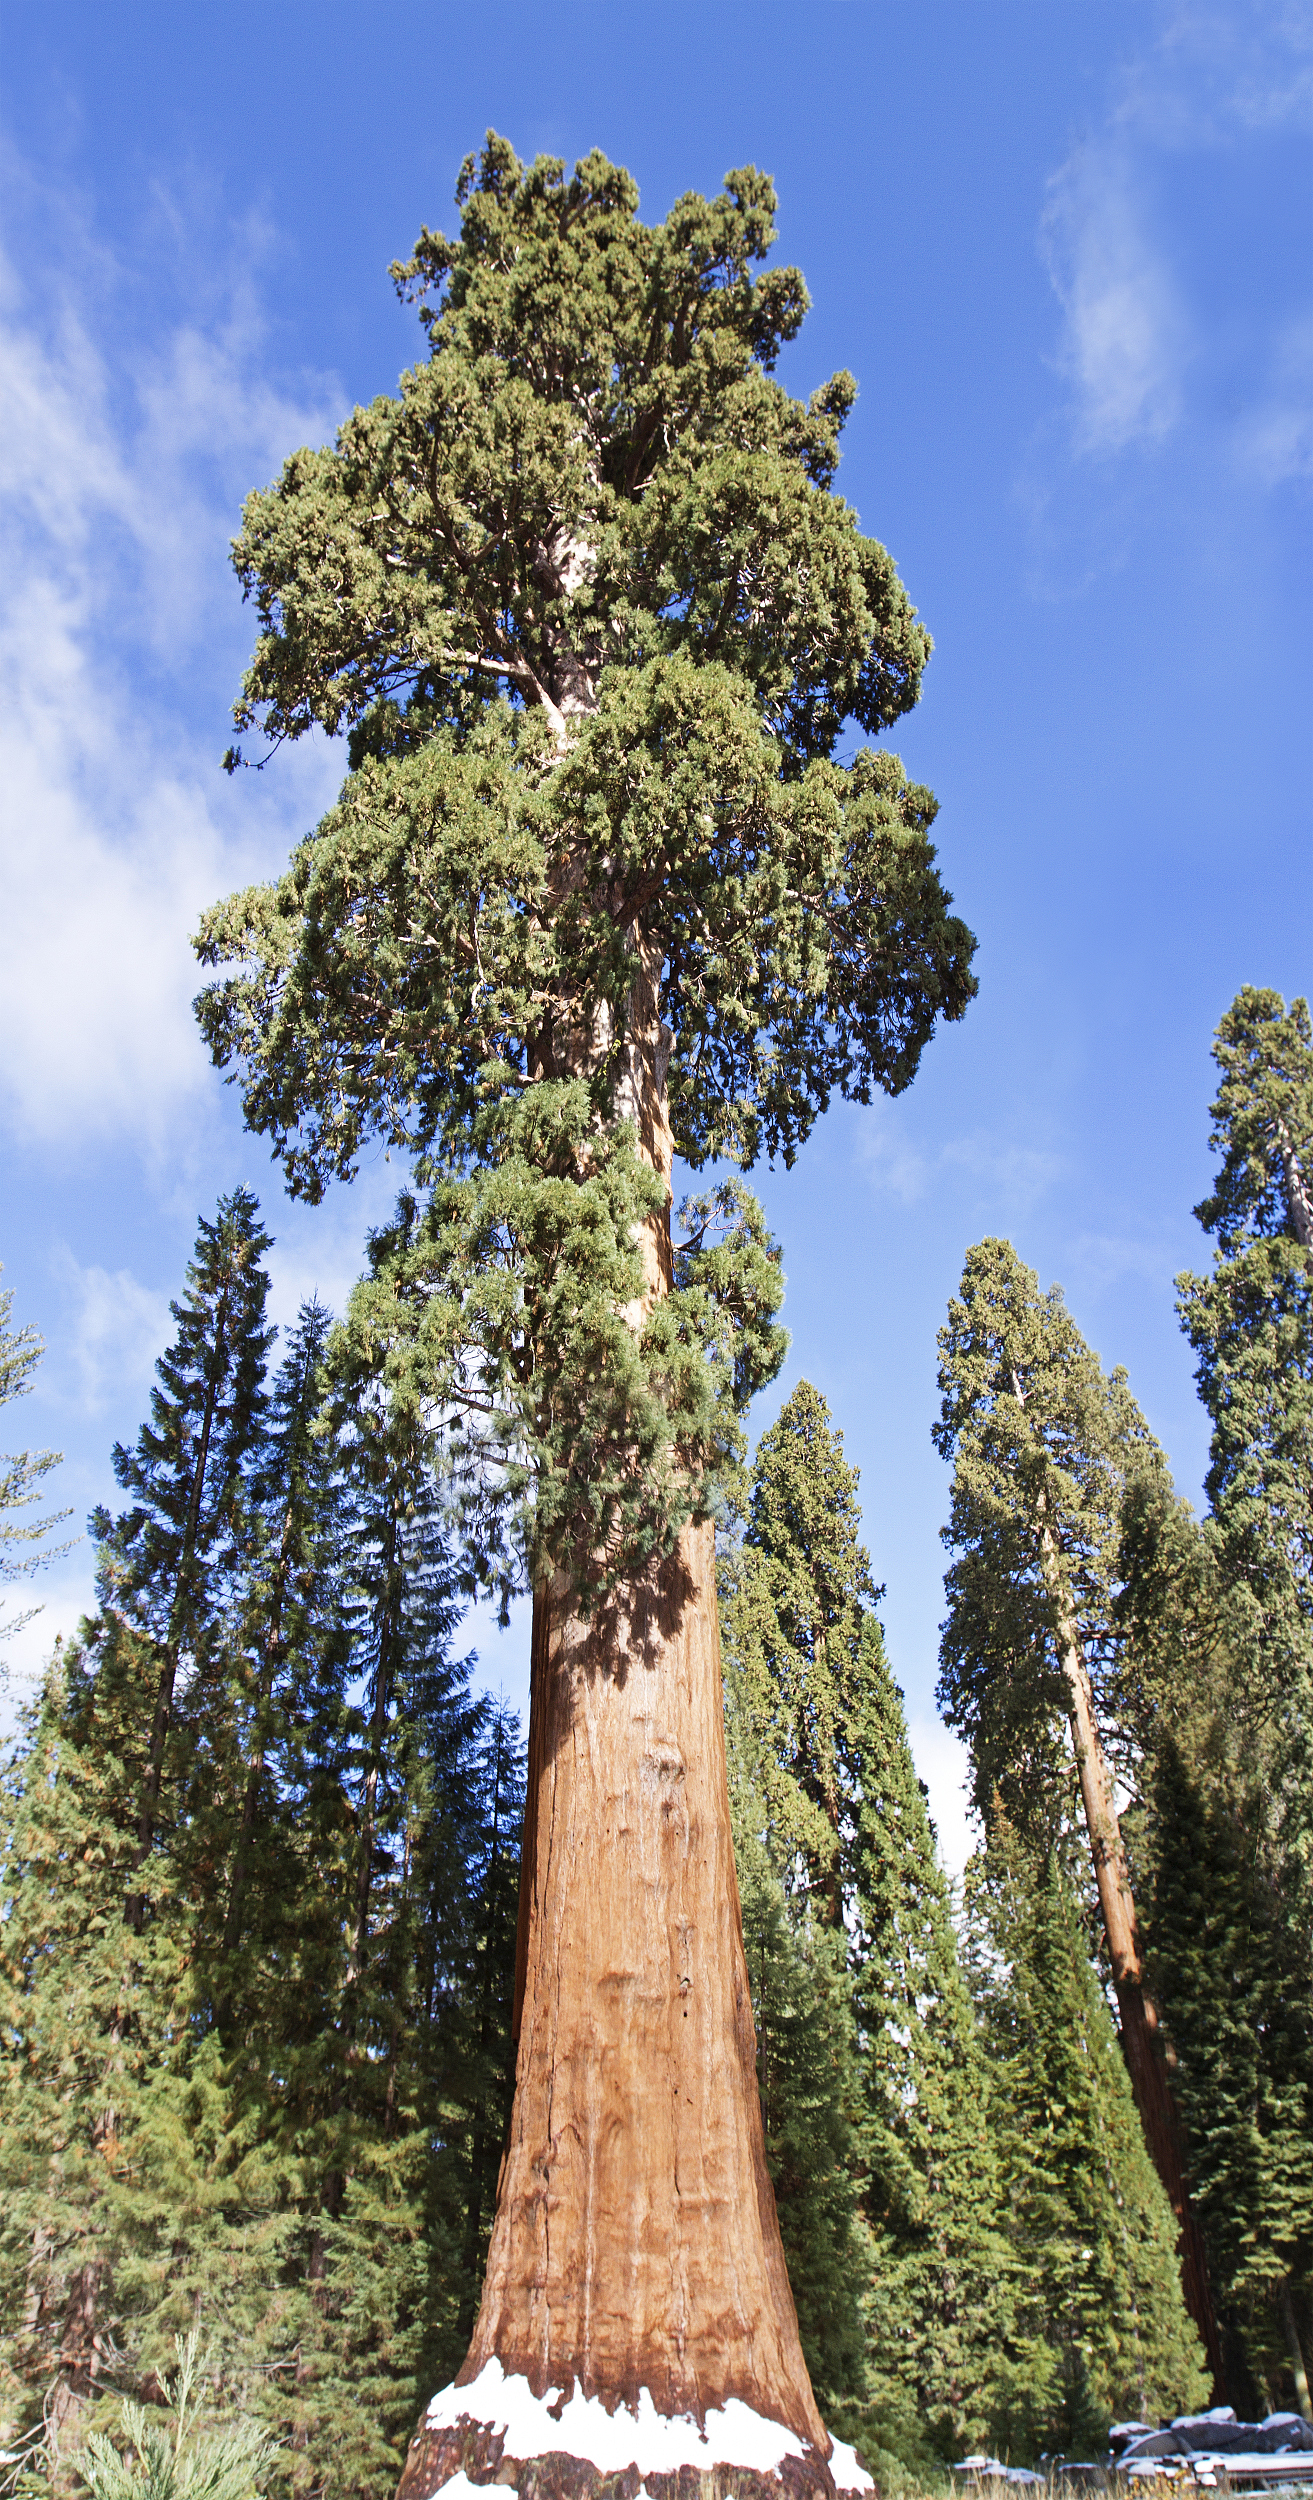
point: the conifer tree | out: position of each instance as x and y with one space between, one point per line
1098 2286
1231 1960
284 2118
1251 1325
828 1809
808 2079
21 1350
795 1620
945 2350
289 1638
592 618
163 1562
1043 1446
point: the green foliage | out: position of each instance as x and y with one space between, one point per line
839 1878
21 1350
796 1618
1043 1444
275 2097
585 604
1251 1325
1098 2289
945 2351
185 2464
806 2069
1236 1964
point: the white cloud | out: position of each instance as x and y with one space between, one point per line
943 1762
1125 338
118 1328
1010 1176
1275 439
120 475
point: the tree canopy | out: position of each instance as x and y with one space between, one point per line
586 606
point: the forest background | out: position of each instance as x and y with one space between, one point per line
1061 251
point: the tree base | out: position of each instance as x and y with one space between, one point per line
496 2433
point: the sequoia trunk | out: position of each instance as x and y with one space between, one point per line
635 2242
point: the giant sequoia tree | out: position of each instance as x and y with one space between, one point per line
596 892
1043 1445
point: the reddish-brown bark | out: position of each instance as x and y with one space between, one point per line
478 2452
1141 2033
636 2241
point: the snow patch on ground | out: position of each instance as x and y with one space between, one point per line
656 2443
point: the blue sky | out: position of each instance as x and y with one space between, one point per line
1065 249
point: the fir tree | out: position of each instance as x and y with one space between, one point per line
1093 2233
794 1624
1251 1325
1044 1446
828 1809
163 1562
21 1350
1232 1957
945 2353
1237 1979
810 2089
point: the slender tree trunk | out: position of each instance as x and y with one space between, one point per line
1290 2328
1141 2032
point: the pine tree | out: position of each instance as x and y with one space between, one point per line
275 2102
828 1811
808 2079
945 2353
1093 2233
1251 1325
795 1618
163 1562
21 1350
1231 1960
596 890
1237 1978
1044 1447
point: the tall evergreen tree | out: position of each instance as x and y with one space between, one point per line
1043 1446
945 2349
593 619
163 1561
21 1350
1231 1960
797 1611
1251 1325
1093 2233
275 2102
829 1811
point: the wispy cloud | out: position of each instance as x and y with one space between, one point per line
1125 336
120 473
117 1328
1155 340
1004 1176
1275 437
